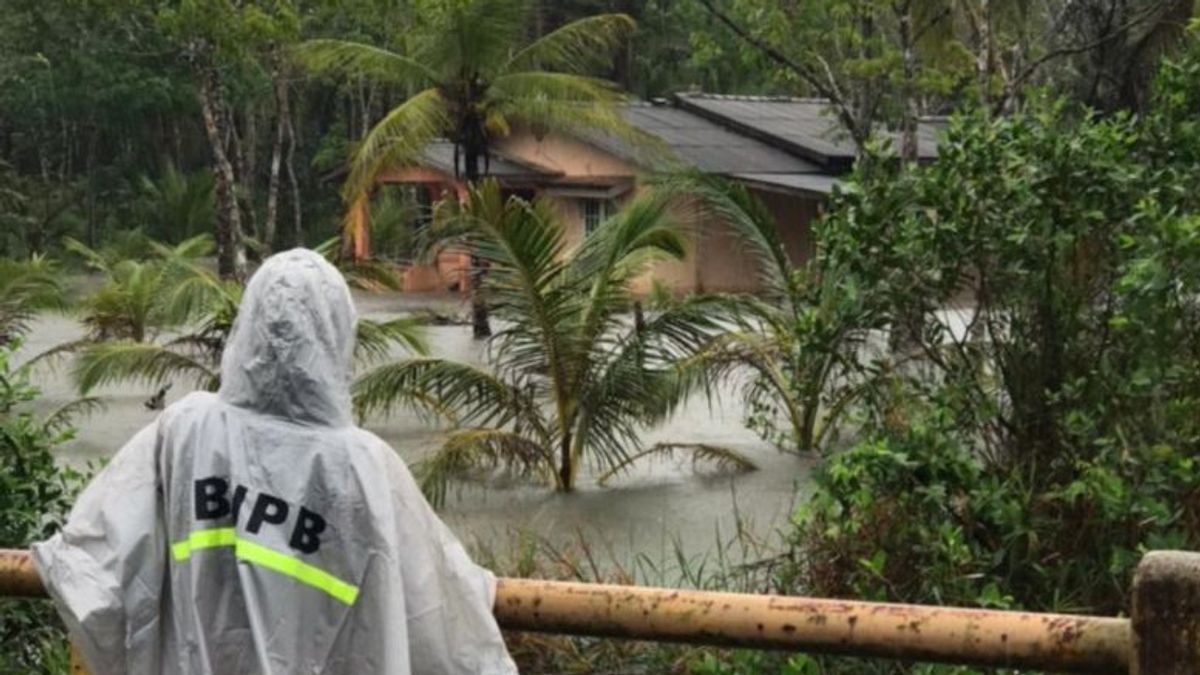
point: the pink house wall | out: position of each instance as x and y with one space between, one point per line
716 260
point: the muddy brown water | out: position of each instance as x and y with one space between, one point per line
646 513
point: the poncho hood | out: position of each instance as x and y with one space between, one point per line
289 354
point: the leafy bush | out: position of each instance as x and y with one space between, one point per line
1037 426
35 497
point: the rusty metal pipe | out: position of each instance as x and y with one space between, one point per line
18 578
1054 642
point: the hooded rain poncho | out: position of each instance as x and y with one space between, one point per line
258 531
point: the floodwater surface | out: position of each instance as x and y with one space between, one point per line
657 506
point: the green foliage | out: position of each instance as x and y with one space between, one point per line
571 378
474 77
26 287
795 345
1035 429
176 205
746 662
167 317
35 497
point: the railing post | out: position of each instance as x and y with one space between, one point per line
78 666
1166 614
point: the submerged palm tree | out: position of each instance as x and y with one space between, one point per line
167 319
475 79
796 338
574 378
26 288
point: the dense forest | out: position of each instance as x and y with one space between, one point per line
125 116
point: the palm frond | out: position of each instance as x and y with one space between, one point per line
620 249
193 292
597 118
26 288
523 246
624 245
189 250
577 47
110 362
635 379
399 138
91 257
734 205
355 59
65 415
469 451
371 275
724 459
374 340
53 356
474 37
761 355
455 391
559 87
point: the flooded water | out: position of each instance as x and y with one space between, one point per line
657 505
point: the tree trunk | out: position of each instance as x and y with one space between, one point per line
231 261
566 478
474 149
281 115
92 234
983 63
909 150
297 223
244 144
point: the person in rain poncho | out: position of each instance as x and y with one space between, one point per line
259 531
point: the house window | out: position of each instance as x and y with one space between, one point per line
424 207
596 211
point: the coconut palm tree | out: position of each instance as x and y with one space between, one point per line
474 78
27 287
574 378
797 339
167 318
177 204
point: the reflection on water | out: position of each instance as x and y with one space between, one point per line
648 510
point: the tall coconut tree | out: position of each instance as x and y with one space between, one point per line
475 76
573 377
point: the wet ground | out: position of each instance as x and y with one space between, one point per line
657 505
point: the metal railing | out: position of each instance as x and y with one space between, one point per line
1162 636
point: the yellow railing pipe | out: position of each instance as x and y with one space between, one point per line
1162 637
1055 642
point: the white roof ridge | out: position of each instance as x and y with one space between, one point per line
753 98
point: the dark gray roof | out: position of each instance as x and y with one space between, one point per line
440 155
699 142
804 126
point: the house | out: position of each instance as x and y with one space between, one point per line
789 152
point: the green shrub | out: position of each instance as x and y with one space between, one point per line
35 496
1029 458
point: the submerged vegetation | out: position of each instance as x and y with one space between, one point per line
572 378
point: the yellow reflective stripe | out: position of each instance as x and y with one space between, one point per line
210 538
264 557
297 569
